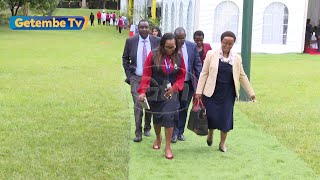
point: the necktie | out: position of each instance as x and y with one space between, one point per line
144 51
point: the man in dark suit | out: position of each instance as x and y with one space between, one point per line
193 66
135 52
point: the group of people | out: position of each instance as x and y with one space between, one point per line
168 71
109 18
312 36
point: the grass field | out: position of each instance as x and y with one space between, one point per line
65 112
63 107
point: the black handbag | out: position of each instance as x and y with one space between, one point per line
198 121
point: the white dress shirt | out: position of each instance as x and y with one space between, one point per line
139 69
186 60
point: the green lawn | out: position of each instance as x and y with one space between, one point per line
287 88
65 112
80 12
63 104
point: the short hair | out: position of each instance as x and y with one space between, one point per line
179 30
141 21
228 34
308 21
198 33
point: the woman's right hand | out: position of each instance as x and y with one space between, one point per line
141 97
198 96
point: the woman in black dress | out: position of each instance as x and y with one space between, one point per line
218 83
162 79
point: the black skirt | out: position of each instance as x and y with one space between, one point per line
165 112
221 104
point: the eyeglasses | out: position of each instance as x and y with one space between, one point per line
170 47
227 44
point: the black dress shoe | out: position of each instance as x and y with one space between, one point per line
209 143
137 139
147 133
181 138
174 139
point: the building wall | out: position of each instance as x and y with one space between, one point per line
176 13
295 33
203 19
124 6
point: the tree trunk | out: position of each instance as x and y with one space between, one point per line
84 4
25 9
14 7
104 4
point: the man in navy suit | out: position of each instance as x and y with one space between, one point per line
135 52
193 66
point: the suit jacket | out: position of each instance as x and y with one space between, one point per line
194 63
129 57
206 48
208 76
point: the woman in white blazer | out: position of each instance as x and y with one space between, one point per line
218 86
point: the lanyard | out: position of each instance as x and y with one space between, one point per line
167 68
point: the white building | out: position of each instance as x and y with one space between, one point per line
278 26
140 8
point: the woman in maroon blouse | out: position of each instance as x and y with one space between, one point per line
203 48
162 79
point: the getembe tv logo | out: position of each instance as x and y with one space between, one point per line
48 22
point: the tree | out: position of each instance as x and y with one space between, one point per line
14 6
3 4
44 7
104 4
84 4
40 6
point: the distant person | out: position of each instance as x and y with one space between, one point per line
218 86
111 20
120 24
108 18
92 19
163 75
193 66
103 17
156 31
114 16
125 22
314 41
318 36
203 48
308 35
99 17
134 55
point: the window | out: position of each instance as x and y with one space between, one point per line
189 21
226 18
275 24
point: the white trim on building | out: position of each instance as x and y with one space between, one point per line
287 22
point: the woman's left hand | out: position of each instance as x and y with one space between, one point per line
169 92
141 97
